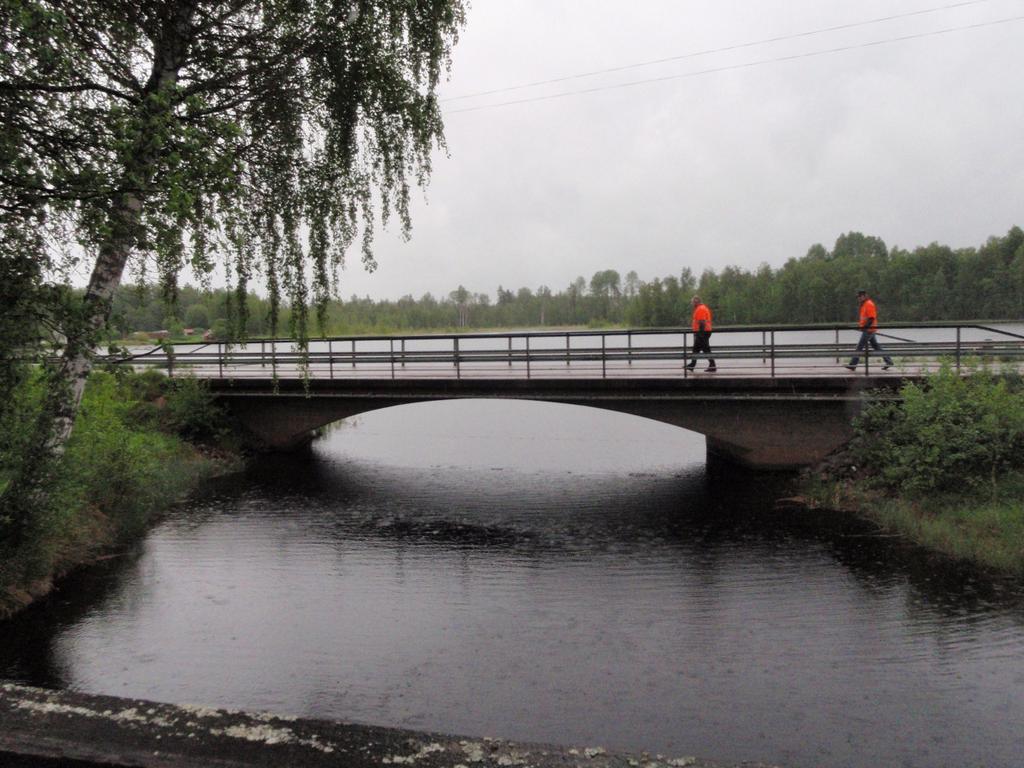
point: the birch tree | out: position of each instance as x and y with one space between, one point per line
266 136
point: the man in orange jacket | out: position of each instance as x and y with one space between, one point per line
701 335
868 326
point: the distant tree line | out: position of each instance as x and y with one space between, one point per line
144 308
933 282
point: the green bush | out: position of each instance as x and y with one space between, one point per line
17 417
952 434
148 385
115 473
182 406
125 462
192 412
111 467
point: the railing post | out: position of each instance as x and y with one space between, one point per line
330 356
629 347
567 355
263 353
169 351
958 349
604 358
510 351
528 356
220 359
763 346
837 347
458 368
773 354
403 353
353 353
686 352
392 343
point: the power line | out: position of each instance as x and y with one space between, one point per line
748 65
709 51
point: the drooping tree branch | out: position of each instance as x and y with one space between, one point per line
256 133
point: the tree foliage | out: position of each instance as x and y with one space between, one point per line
933 282
261 135
251 132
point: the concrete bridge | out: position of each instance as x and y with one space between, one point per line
761 423
780 398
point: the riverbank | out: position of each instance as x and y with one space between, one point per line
940 467
40 727
141 444
988 532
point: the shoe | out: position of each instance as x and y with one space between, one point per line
710 369
850 367
886 367
690 367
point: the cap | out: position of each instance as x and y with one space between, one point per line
862 293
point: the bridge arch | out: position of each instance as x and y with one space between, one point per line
766 430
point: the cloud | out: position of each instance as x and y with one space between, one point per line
912 141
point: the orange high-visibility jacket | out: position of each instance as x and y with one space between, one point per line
701 312
868 316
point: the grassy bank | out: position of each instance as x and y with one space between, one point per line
140 444
985 531
944 468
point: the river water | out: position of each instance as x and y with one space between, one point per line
547 573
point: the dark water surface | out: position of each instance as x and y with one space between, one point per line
545 573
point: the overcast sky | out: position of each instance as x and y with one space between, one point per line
913 141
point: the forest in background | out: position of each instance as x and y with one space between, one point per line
930 283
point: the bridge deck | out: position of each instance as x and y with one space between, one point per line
740 353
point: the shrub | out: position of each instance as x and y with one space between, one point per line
112 472
17 418
192 412
111 478
117 471
951 434
148 385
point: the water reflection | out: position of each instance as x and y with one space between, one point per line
533 572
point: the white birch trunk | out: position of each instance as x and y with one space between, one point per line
67 389
125 218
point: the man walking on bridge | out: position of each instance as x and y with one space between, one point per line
701 335
868 327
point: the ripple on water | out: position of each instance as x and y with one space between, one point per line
582 590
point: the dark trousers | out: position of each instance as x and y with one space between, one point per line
701 344
868 337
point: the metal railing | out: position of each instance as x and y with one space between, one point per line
740 351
